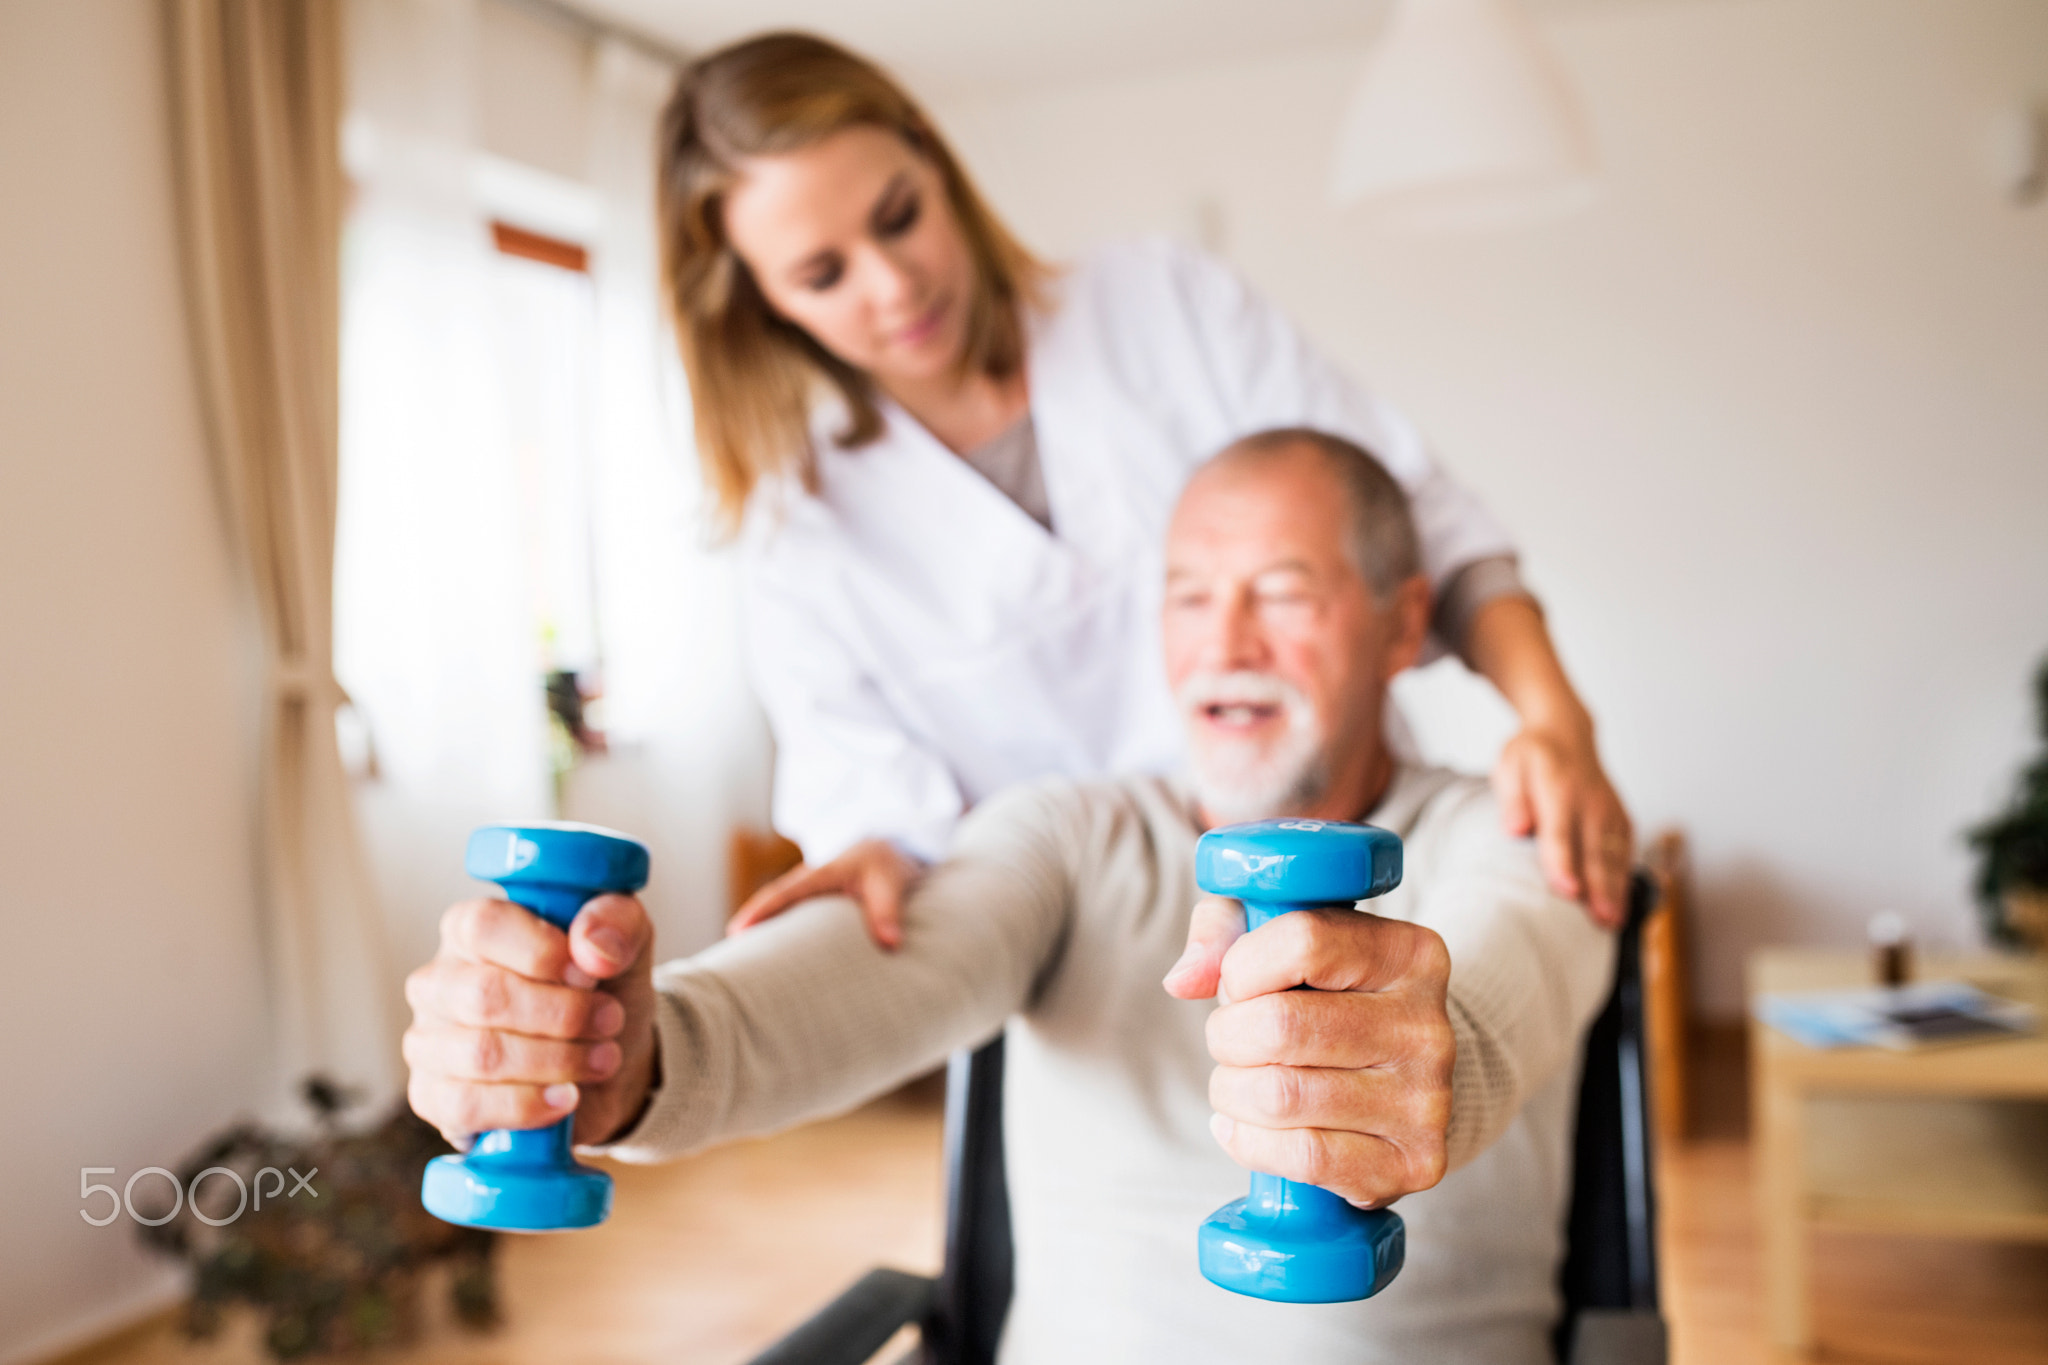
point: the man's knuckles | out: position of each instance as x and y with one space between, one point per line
478 995
1329 1029
1425 1162
1265 1095
1266 1030
1381 1102
1359 1166
466 927
428 1102
1414 1113
1429 962
1316 1155
482 996
491 1056
422 986
1336 950
1353 1165
1291 1097
1278 955
500 932
455 925
1416 1040
1415 958
454 989
457 1107
1436 1051
478 1055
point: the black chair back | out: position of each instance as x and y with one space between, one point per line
973 1293
1611 1233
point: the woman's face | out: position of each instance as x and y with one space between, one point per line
853 240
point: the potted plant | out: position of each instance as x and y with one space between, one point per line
333 1263
2012 849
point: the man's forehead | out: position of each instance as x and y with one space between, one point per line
1263 506
1199 565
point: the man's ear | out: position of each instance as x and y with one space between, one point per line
1409 606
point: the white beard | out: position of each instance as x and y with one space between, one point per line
1238 780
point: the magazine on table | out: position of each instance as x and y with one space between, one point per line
1924 1014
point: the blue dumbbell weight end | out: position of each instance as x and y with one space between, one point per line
1287 1241
529 1181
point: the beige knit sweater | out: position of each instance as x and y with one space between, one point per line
1058 913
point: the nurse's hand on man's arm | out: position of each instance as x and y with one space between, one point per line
1347 1086
875 873
516 1023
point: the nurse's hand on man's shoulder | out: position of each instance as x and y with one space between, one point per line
1347 1086
516 1023
1550 784
875 873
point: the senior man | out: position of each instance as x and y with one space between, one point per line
1443 1035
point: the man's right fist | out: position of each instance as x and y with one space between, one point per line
516 1023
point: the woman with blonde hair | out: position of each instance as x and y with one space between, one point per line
951 468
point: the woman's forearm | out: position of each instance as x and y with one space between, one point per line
1549 779
1509 645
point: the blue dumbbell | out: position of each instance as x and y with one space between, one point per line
1287 1241
529 1181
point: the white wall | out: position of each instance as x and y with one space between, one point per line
532 90
133 1001
1771 420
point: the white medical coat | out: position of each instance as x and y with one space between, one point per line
919 642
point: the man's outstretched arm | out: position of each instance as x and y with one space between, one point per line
802 1017
1529 970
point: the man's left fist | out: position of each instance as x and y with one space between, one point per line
1346 1086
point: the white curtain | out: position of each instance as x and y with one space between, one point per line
689 750
256 108
434 636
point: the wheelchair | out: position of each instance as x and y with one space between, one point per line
1608 1281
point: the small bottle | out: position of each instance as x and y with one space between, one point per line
1892 949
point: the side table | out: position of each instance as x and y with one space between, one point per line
1946 1142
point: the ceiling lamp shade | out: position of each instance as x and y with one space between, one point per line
1462 119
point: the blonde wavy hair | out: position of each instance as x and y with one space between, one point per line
754 376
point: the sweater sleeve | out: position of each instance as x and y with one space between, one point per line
1529 970
803 1016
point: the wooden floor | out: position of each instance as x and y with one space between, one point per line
703 1261
709 1259
1877 1300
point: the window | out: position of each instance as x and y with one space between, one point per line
545 333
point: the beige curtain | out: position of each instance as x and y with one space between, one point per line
256 88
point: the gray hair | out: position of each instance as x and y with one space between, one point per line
1383 544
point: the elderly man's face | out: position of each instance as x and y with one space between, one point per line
1276 647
